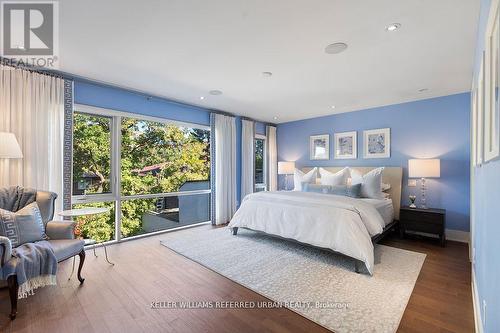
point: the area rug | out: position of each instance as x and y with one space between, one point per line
317 284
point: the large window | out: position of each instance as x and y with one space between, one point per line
152 174
260 167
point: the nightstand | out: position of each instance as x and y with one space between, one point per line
430 221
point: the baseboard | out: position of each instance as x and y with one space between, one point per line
478 323
451 234
457 235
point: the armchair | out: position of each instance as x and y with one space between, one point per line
60 234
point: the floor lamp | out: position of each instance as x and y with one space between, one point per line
9 148
286 168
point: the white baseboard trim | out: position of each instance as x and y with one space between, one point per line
478 322
457 235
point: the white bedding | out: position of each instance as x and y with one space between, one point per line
384 207
340 223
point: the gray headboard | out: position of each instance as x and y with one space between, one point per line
391 175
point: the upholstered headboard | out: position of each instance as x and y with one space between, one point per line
391 175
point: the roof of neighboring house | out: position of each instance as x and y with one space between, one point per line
150 168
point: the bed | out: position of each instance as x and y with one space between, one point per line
337 223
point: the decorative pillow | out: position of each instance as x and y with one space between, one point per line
386 187
23 226
307 187
299 177
338 178
353 191
371 182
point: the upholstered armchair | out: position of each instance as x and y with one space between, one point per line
60 234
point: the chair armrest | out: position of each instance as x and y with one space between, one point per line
5 249
60 230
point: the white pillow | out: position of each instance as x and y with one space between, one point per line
371 183
299 177
338 178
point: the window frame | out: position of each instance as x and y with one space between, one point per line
115 174
264 163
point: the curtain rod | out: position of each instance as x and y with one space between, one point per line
8 62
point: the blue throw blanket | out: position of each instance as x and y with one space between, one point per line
35 265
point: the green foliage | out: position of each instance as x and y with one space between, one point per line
180 154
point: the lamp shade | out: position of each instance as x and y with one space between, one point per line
9 147
424 168
286 168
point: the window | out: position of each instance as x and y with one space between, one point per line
260 170
152 174
91 154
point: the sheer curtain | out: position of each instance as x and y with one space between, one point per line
32 107
272 158
224 168
247 157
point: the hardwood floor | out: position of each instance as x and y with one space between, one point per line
118 298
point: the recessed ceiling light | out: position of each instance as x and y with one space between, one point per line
336 48
423 90
215 92
393 27
267 74
333 106
275 118
202 97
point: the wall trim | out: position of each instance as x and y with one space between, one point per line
478 323
457 235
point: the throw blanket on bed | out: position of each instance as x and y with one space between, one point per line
35 265
339 223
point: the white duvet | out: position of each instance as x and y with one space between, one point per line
340 223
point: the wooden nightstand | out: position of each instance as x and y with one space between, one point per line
430 221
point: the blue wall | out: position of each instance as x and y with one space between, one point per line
486 215
432 128
104 96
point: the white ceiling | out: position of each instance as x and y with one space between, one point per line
181 49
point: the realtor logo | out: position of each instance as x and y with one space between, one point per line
30 32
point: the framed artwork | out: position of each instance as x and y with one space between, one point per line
474 112
377 143
491 133
319 147
478 117
346 146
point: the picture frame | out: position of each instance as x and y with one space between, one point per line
319 147
491 133
377 143
474 123
346 145
479 135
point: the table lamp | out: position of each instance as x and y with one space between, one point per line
286 168
424 168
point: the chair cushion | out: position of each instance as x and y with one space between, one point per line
66 248
23 226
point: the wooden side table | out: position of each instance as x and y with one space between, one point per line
430 221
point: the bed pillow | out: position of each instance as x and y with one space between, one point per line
330 178
371 183
299 177
23 226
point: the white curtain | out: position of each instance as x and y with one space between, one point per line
247 157
225 168
272 158
32 107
